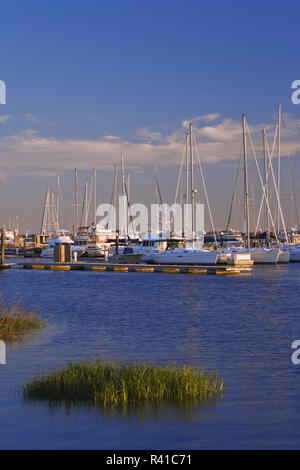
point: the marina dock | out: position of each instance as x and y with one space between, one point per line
138 268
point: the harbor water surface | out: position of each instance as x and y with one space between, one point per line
242 327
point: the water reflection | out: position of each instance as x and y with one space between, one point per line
184 412
241 327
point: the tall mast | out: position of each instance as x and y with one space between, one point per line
76 200
115 189
114 196
125 213
53 211
192 179
266 181
278 168
246 204
291 193
95 196
86 203
187 177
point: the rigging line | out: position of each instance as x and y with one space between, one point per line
159 197
180 170
84 202
179 177
277 195
272 158
113 198
157 188
130 216
261 181
90 197
234 189
263 188
205 191
267 179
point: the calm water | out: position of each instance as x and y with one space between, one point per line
241 327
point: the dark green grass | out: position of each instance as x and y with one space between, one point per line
15 320
108 385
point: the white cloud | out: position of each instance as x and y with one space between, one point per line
145 134
209 117
205 117
30 153
113 138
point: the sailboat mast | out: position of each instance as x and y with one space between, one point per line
57 202
192 179
95 196
187 171
76 200
246 194
125 213
278 168
115 195
266 181
53 211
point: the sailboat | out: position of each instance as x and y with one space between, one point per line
50 225
192 253
260 255
284 255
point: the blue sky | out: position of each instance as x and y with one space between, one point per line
130 73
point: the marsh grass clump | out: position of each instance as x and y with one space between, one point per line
108 385
15 320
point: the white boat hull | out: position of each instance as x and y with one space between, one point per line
94 252
261 255
196 257
284 257
97 249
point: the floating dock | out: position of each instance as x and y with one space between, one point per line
138 268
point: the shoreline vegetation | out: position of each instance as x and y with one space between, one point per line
109 385
15 320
